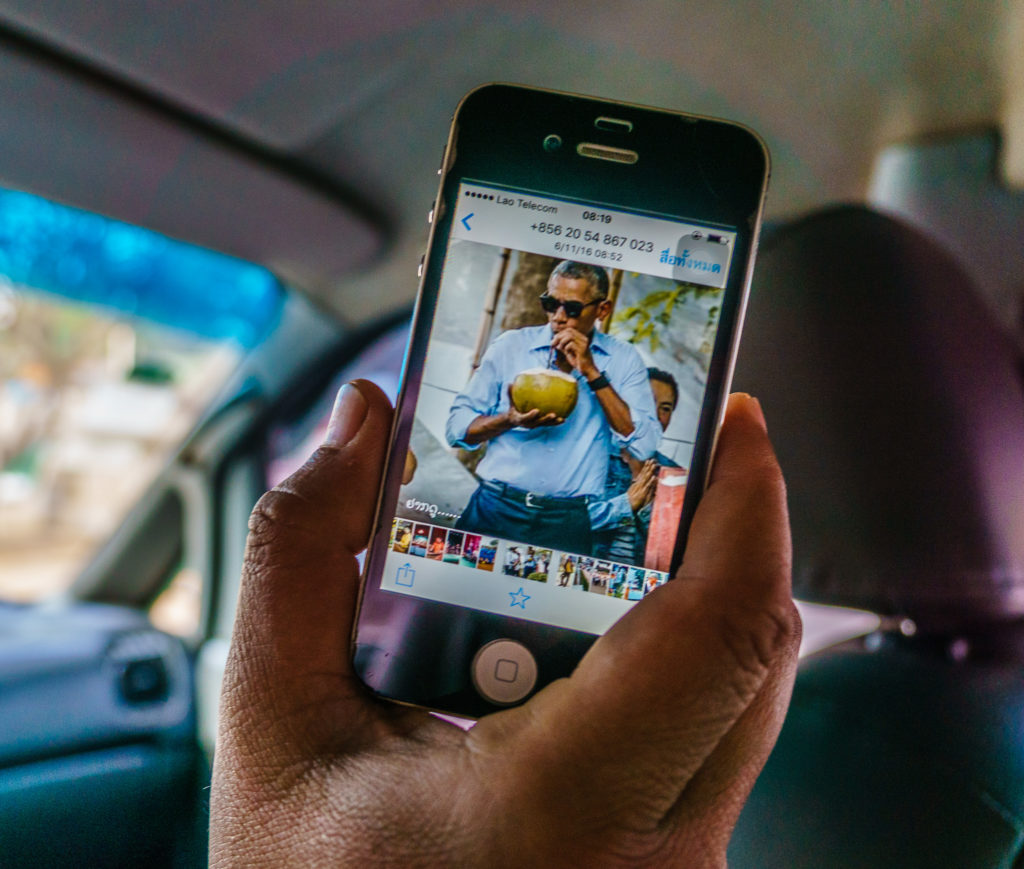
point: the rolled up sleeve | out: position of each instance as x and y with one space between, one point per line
609 512
634 388
481 397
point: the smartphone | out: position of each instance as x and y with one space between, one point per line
572 345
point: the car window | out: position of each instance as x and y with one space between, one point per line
114 340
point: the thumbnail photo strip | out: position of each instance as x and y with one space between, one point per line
568 570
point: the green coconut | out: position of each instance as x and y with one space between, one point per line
545 389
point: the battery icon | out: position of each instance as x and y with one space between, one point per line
717 239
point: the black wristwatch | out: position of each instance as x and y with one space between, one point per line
599 382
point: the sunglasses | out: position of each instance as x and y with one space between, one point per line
572 309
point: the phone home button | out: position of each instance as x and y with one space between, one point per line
504 671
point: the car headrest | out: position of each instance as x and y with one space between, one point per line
896 406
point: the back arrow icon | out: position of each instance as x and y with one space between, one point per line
465 220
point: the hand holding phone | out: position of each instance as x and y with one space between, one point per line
645 754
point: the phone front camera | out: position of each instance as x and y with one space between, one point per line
552 143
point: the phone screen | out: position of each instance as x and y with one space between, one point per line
570 522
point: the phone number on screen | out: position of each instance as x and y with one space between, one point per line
608 239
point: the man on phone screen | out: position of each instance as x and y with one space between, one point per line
541 470
622 518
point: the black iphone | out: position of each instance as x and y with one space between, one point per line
581 300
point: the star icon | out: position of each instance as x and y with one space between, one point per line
519 598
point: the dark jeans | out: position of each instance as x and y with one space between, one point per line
514 514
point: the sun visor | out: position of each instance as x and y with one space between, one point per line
78 138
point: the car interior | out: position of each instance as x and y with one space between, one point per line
211 217
902 437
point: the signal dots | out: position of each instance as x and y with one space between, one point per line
474 195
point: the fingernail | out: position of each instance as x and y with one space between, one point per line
753 407
347 416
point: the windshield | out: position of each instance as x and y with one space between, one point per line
113 342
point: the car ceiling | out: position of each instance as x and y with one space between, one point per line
306 135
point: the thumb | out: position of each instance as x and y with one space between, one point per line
300 576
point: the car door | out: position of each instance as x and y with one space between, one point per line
133 449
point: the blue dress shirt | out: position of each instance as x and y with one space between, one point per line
566 460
